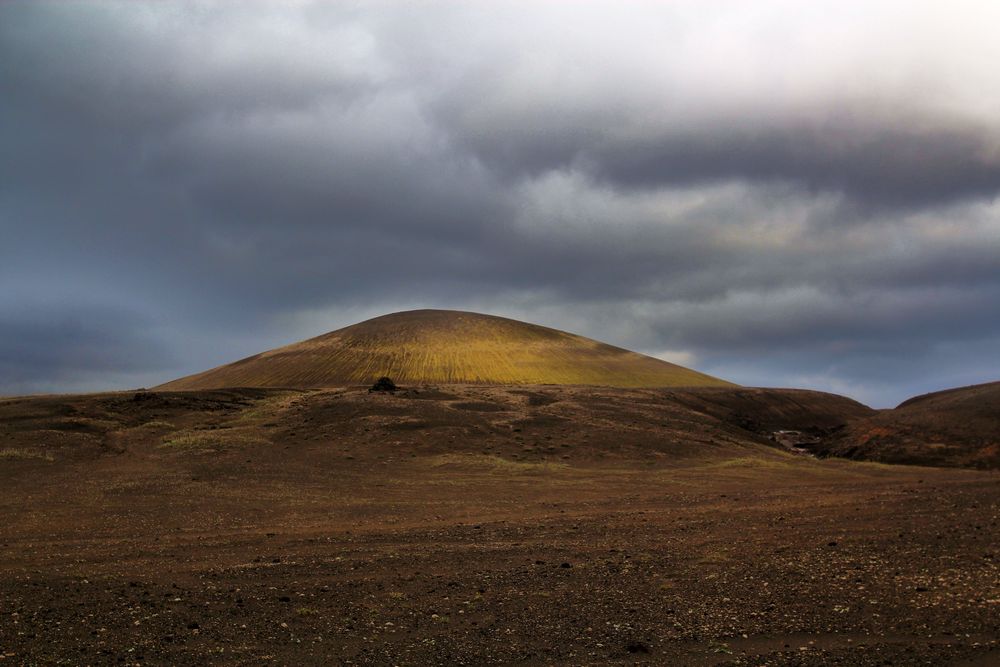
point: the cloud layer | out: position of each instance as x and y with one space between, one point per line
776 193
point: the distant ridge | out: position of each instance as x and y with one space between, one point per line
446 346
953 427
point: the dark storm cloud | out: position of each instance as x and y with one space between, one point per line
54 347
898 162
778 194
888 166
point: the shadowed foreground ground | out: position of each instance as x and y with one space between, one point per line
474 525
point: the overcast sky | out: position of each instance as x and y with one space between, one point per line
777 193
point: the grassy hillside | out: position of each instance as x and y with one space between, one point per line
539 424
446 347
955 427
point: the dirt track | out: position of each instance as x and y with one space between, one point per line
476 526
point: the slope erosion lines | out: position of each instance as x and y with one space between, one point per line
447 347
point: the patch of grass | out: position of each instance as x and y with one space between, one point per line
265 408
719 647
156 425
307 611
496 463
212 440
713 556
83 425
62 438
22 454
755 462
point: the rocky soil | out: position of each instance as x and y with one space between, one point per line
473 525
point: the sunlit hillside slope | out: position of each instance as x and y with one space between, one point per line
443 346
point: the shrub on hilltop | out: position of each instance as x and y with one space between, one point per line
383 384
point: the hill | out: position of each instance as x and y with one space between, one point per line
508 422
955 427
446 346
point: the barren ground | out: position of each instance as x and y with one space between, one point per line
957 427
473 525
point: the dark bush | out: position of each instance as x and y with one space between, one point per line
384 383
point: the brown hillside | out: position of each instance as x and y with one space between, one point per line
955 427
447 347
479 525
